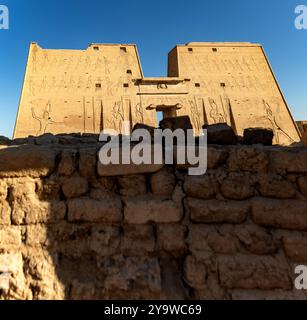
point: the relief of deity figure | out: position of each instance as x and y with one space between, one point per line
117 118
214 112
139 115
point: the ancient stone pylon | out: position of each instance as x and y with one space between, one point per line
68 91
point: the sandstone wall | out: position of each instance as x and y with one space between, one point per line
68 233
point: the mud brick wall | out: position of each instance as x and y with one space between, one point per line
69 232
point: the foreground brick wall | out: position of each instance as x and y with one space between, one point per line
67 233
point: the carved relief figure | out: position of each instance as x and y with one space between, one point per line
117 117
214 112
278 131
44 120
139 114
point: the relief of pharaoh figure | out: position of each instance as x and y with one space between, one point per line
44 120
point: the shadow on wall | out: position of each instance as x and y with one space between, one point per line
68 231
64 236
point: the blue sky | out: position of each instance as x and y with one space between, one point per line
155 26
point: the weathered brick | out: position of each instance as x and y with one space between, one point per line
195 273
75 187
237 186
151 209
248 159
3 190
48 189
171 237
199 186
296 247
26 161
211 238
88 162
255 239
134 277
138 240
10 236
216 157
275 186
89 210
163 182
215 211
132 186
5 213
254 272
302 184
34 211
67 164
288 161
287 214
104 240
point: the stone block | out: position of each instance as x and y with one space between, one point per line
215 211
237 186
89 210
147 209
75 187
26 161
221 134
254 272
284 214
163 182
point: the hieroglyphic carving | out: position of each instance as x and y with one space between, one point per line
196 116
112 73
31 87
80 82
89 82
43 84
34 59
87 63
106 65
